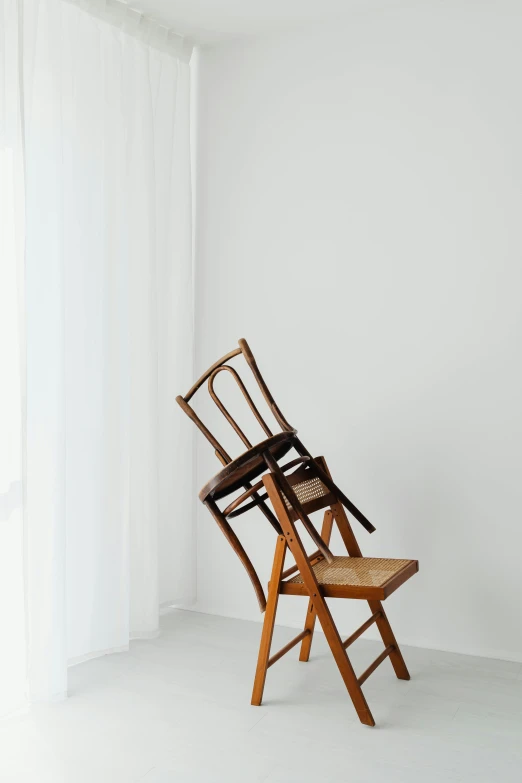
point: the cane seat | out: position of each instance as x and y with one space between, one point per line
372 578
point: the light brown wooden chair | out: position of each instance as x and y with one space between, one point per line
293 497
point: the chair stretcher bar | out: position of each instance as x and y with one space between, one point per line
355 635
287 647
377 662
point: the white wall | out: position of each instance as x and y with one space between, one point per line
359 197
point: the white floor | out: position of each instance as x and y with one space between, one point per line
177 710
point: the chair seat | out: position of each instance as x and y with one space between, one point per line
356 577
247 466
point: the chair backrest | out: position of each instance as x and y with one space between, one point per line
209 376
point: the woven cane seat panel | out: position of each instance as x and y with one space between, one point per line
310 489
359 571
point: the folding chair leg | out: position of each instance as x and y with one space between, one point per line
382 622
268 622
321 607
342 661
388 638
306 644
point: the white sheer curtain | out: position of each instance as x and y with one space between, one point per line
12 648
104 131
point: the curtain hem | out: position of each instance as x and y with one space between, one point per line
96 654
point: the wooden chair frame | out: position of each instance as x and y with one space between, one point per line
318 607
292 503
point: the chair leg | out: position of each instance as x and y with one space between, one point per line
388 638
268 622
382 622
321 607
306 644
342 661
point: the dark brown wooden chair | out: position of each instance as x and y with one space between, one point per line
292 498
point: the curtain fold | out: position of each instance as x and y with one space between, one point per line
13 653
104 120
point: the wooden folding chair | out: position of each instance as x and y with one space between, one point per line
294 497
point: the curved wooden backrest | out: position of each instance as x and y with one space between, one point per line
184 401
209 376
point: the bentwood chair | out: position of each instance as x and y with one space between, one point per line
286 499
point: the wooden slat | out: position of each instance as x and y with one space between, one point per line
289 571
220 451
311 614
377 662
336 591
251 404
201 381
314 558
287 647
364 627
268 622
258 499
249 357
